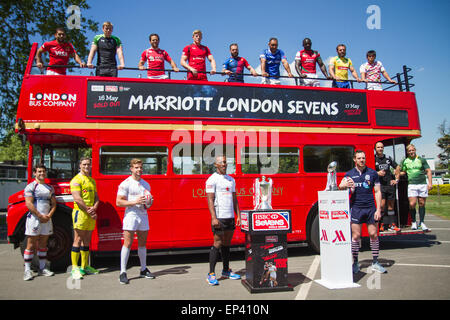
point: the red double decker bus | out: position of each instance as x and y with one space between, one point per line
287 133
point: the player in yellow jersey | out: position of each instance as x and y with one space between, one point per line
84 216
339 67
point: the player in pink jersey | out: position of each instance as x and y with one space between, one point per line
59 52
371 72
305 64
155 58
193 58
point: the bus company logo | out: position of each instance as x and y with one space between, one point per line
323 214
339 214
271 221
52 99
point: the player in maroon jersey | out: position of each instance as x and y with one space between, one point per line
155 57
59 52
193 58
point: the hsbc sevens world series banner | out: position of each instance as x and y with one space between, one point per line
175 100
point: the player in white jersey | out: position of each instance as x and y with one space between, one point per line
371 72
222 204
134 194
41 203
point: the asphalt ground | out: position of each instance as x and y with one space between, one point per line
418 269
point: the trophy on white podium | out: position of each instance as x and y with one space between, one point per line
262 199
331 177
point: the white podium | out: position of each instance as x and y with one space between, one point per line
335 240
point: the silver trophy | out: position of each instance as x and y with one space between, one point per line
262 199
331 177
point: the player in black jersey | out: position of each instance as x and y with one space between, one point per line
388 181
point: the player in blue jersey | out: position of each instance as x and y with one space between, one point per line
234 66
362 181
270 63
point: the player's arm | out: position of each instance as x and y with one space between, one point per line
52 206
252 71
429 176
331 70
385 74
39 62
184 63
322 67
212 209
354 73
287 67
141 64
119 52
236 209
377 189
213 64
346 183
263 67
91 56
121 201
298 67
78 60
76 194
174 65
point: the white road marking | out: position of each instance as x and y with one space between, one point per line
422 265
304 288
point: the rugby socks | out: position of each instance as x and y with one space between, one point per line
75 255
124 254
42 253
142 253
28 258
355 250
412 212
375 247
421 214
213 257
225 257
84 251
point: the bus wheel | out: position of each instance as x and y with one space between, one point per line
314 232
60 242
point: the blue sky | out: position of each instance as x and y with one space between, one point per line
412 33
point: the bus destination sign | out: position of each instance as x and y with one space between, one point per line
172 100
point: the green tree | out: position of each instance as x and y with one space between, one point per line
11 148
444 143
23 22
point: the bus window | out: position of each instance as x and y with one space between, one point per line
115 160
196 159
270 160
391 118
61 161
317 158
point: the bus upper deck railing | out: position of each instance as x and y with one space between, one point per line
402 79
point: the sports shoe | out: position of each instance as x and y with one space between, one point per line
423 227
212 279
376 266
355 267
414 226
88 270
76 274
381 227
28 275
393 227
230 275
45 272
123 278
146 274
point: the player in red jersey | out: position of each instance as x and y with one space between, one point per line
59 52
155 58
305 64
193 58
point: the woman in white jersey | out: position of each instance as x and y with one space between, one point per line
222 204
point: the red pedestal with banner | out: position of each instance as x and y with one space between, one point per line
266 252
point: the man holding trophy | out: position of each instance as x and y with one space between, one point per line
222 204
